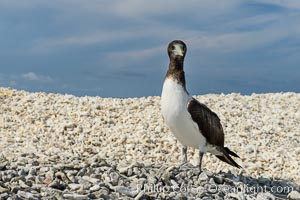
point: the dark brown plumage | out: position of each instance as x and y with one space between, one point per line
211 128
208 122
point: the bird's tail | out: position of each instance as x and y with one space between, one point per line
226 157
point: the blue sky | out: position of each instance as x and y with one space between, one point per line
118 48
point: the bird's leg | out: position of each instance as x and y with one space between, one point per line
200 159
184 154
185 165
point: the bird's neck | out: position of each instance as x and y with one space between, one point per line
176 72
176 63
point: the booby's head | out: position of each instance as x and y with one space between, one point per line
177 49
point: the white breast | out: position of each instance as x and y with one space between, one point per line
174 101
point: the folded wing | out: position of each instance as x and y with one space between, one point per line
208 122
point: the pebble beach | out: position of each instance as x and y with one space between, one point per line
59 146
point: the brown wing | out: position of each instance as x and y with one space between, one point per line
208 122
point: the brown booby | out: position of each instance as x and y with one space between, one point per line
192 123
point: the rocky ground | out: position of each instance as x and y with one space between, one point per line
55 146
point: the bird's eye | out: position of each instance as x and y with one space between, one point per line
173 48
183 48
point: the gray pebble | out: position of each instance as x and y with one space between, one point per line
3 190
114 177
219 179
32 171
3 195
211 181
142 196
15 188
48 191
49 176
62 176
203 177
34 163
44 169
152 179
28 195
81 172
265 196
75 196
233 196
58 184
74 186
71 177
23 185
37 186
294 195
103 191
39 179
181 196
166 177
174 184
127 191
264 181
138 183
86 185
95 188
17 179
91 180
136 170
130 172
3 165
22 172
22 161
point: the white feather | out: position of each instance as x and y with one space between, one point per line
174 102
